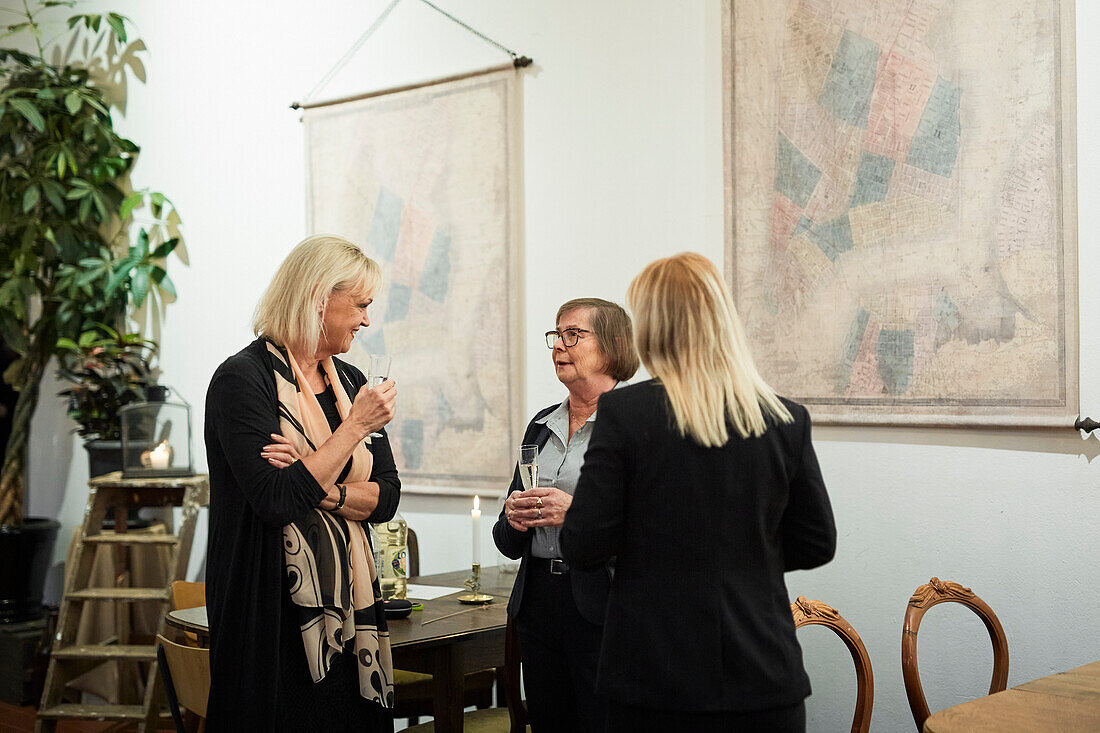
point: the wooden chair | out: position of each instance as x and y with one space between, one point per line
413 690
185 671
808 613
188 595
512 719
937 591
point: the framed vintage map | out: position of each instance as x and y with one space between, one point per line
424 180
901 206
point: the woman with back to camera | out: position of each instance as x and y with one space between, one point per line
559 611
298 637
706 487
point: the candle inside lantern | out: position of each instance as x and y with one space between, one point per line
475 517
160 456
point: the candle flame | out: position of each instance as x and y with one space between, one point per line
477 501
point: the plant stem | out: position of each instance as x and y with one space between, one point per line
13 483
37 37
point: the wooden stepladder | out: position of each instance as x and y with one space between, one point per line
136 656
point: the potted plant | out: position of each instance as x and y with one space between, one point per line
72 252
108 370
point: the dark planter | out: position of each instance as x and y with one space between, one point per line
104 456
26 550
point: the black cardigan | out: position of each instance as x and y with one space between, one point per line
589 586
250 502
699 616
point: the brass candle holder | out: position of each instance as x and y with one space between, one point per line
473 584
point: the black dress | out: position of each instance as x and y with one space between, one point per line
259 676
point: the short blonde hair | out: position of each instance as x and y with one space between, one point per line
613 331
292 310
690 337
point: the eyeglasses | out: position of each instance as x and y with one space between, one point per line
569 337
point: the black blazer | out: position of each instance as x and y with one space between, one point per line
699 616
250 502
590 586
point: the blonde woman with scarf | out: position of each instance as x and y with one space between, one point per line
298 637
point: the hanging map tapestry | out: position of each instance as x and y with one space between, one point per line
423 179
901 206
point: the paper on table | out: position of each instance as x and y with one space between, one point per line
428 592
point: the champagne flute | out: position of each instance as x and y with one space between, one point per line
378 372
528 466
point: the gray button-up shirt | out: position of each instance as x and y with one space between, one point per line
560 462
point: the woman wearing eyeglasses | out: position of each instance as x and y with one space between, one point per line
559 611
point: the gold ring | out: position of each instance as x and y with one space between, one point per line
540 512
538 502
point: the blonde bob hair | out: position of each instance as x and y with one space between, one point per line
689 336
292 310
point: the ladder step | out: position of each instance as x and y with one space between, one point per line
118 594
132 538
129 652
93 712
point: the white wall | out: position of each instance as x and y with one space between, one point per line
623 159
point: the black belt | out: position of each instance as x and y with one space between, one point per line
554 566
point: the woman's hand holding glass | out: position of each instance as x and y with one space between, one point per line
374 407
543 506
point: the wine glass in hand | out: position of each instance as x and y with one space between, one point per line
378 372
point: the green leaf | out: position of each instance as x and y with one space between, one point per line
139 287
132 201
115 21
29 112
165 249
30 198
45 93
87 338
67 343
73 102
161 278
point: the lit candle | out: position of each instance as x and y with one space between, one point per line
475 517
160 456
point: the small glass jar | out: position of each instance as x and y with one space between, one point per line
156 436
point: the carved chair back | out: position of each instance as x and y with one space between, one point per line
815 612
934 592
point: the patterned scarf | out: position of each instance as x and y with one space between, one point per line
328 558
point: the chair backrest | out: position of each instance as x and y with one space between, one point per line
188 595
517 708
186 674
807 613
413 557
934 592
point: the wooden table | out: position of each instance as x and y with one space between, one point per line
447 649
1061 703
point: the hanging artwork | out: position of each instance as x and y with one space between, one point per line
423 179
901 206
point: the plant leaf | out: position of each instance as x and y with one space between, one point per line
29 112
139 286
73 102
163 281
30 198
132 201
115 21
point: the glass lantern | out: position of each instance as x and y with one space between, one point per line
156 436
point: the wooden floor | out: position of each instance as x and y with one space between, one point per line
21 720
